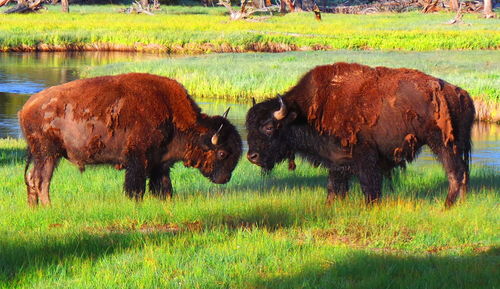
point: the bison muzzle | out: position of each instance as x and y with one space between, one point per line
140 122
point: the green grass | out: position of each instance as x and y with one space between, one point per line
255 232
261 75
179 29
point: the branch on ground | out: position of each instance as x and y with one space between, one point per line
245 11
138 8
4 2
25 7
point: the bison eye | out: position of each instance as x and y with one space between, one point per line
268 129
221 155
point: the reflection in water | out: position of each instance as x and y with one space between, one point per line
22 74
10 103
485 146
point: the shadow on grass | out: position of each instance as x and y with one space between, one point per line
289 181
10 156
481 179
21 258
371 270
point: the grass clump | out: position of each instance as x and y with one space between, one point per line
254 232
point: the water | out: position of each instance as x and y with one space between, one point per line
22 74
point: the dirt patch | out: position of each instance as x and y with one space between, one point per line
476 248
148 228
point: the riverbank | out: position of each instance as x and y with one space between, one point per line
254 232
239 77
196 30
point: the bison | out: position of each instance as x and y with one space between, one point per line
140 122
361 121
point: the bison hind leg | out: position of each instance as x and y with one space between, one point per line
38 180
31 188
456 170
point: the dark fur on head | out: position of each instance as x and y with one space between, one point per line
215 161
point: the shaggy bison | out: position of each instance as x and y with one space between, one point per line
140 122
361 121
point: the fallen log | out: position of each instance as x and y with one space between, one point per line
4 2
245 11
25 7
138 8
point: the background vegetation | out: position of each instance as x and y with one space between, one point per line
262 75
238 77
255 232
178 29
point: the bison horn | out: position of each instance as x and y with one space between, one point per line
253 102
215 137
281 113
226 112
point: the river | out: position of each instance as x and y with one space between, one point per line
22 74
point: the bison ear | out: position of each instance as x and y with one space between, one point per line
292 115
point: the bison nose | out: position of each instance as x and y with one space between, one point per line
253 157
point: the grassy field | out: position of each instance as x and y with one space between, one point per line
238 77
255 232
201 30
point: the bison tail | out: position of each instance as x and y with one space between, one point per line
29 158
468 153
465 129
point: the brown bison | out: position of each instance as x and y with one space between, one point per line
361 121
140 122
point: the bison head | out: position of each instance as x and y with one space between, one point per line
268 125
217 151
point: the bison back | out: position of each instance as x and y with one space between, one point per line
97 119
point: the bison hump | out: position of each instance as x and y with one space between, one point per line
345 99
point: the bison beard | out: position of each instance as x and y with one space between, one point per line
362 121
140 122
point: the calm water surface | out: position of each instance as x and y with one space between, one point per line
22 74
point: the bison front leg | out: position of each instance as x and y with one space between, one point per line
135 178
338 185
370 178
160 184
371 185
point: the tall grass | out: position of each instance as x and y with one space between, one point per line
261 75
254 232
196 29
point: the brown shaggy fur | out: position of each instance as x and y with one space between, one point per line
362 121
347 97
133 121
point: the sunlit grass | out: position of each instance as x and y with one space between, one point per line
254 232
201 30
262 75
